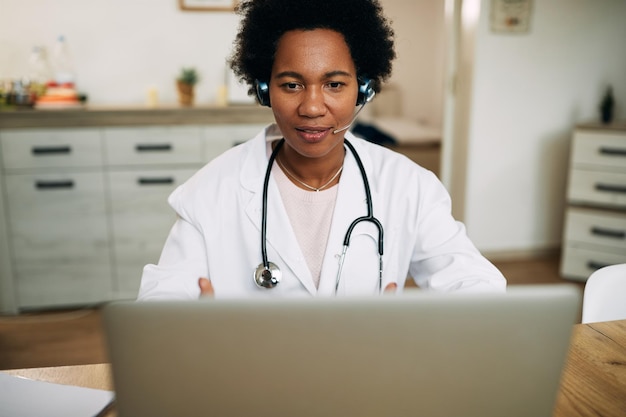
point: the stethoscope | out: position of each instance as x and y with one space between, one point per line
268 274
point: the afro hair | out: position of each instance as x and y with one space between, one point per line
367 32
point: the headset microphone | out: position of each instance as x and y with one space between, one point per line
366 94
353 119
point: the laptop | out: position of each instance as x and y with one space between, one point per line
416 354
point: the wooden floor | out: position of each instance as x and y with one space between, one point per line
75 337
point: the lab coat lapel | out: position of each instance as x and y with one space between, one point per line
350 204
282 246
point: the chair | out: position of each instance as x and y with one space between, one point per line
604 297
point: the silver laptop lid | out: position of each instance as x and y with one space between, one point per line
419 354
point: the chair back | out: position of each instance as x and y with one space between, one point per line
604 297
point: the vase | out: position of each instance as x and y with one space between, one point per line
185 94
607 106
606 115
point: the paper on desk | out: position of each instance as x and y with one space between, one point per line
22 397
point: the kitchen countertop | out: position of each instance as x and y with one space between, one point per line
135 116
618 125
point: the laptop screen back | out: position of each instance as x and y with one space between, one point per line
419 354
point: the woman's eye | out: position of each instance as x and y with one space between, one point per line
291 86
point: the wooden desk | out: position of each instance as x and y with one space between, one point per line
594 378
593 382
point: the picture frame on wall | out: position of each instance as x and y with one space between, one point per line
511 16
207 5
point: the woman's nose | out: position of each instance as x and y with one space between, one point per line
313 103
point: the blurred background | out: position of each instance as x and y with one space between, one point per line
499 92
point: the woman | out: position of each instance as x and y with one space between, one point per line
311 62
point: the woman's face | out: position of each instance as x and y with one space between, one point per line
313 90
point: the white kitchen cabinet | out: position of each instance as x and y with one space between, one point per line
8 303
144 165
56 216
132 158
137 146
140 220
219 138
84 209
595 220
51 148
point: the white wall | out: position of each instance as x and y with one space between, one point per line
529 91
419 68
122 48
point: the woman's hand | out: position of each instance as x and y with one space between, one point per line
206 288
390 288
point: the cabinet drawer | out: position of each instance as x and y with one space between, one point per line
604 188
596 227
141 221
578 262
600 149
153 145
59 235
222 137
51 148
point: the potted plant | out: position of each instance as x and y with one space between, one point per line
186 81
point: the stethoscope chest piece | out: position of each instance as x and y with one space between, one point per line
267 277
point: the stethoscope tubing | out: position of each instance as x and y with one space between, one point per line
264 206
369 218
368 198
269 266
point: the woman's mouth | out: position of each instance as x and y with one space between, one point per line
312 134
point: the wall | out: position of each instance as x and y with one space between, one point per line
529 91
419 68
122 48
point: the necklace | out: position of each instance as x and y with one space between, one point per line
307 185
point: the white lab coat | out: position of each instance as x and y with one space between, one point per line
218 231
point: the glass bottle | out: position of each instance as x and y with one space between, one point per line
63 65
40 73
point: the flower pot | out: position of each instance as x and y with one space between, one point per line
185 94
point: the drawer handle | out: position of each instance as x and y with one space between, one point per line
154 147
613 151
617 234
611 188
156 181
51 150
54 185
596 265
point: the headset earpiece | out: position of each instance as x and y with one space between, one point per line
366 91
365 95
262 93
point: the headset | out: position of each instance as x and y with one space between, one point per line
365 95
268 274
